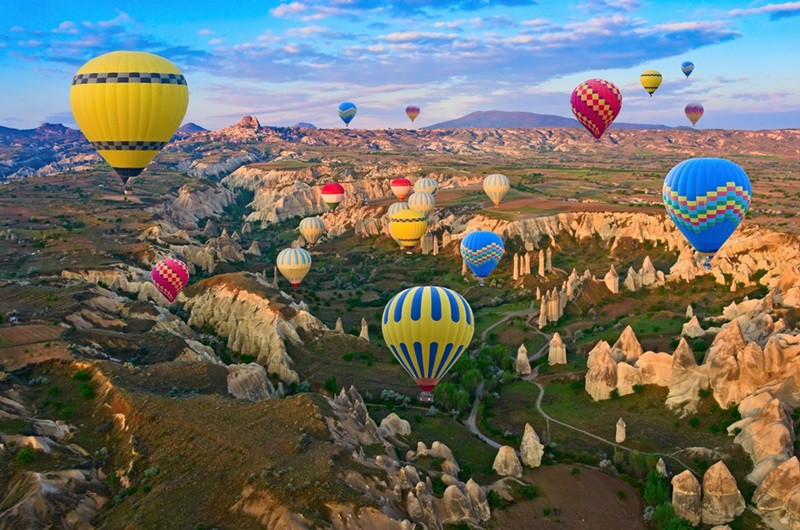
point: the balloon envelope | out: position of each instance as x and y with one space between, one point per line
482 251
312 228
170 276
496 186
707 198
332 194
128 105
412 111
401 188
687 67
427 329
422 202
396 207
408 227
427 185
294 264
694 111
596 103
650 80
347 112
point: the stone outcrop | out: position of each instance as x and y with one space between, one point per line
686 497
531 449
250 382
253 249
437 450
767 435
627 377
692 329
364 334
646 276
338 328
780 485
393 426
722 500
255 317
621 434
506 463
522 365
627 347
601 378
611 279
558 352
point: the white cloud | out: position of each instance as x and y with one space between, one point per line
408 36
287 10
205 32
16 29
291 48
32 43
216 42
786 9
613 5
536 22
307 30
67 27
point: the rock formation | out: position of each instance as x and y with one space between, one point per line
515 274
779 486
339 328
601 378
661 467
393 426
549 263
250 382
364 334
522 366
766 434
541 264
558 352
611 279
253 250
627 378
722 501
527 263
686 497
692 328
689 311
506 463
531 450
627 347
620 435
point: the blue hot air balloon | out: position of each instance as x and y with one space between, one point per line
707 198
347 112
482 251
687 67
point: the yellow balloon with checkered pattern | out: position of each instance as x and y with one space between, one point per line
407 227
128 105
650 80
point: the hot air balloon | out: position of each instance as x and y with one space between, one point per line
332 194
312 228
347 112
422 202
650 80
412 111
707 198
396 207
128 105
694 111
427 329
427 184
596 103
482 251
170 276
687 67
294 264
401 188
407 227
496 186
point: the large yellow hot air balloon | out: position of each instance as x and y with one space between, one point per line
408 227
427 329
650 80
128 105
312 228
294 264
496 186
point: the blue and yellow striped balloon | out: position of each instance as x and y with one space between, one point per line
422 202
427 329
707 198
294 264
347 112
427 184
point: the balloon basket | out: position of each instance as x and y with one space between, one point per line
706 260
480 282
426 397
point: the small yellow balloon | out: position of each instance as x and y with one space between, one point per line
408 227
650 80
128 105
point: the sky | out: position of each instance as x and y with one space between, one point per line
297 60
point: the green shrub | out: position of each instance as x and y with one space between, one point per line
330 384
26 455
82 375
694 422
575 471
85 390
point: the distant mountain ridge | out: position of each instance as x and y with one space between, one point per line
499 119
191 128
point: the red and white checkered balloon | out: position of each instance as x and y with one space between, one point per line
596 103
170 276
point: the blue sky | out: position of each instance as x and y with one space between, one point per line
295 61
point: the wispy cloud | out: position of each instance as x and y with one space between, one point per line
775 11
625 6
